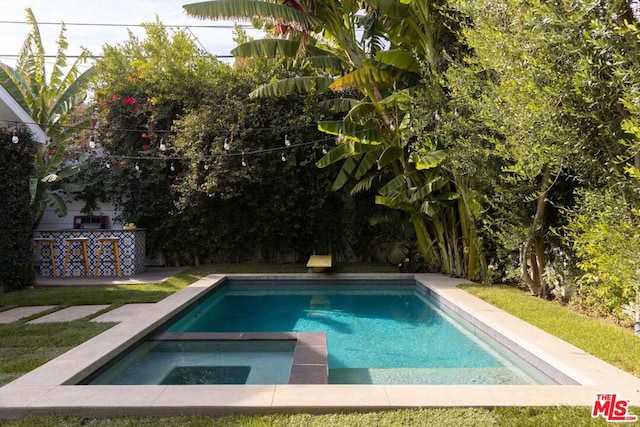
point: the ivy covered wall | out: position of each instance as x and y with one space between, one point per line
16 255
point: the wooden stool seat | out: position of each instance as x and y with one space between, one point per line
83 241
115 251
48 243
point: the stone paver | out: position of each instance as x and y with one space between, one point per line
15 314
70 313
123 313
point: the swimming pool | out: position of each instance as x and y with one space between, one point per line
55 386
377 332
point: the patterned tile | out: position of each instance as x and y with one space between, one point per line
132 247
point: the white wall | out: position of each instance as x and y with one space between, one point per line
51 221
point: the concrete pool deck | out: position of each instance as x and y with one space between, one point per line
50 388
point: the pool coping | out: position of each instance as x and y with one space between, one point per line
50 388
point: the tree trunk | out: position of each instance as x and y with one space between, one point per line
532 256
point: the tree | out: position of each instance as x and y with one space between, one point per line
373 130
547 100
52 105
226 211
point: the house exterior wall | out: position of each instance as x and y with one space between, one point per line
51 221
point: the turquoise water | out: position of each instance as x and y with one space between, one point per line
382 334
200 362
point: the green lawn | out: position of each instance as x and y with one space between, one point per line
24 347
454 417
622 347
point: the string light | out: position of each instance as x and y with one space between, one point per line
284 158
15 138
145 129
287 142
244 163
137 167
324 150
172 167
162 145
206 166
364 140
226 144
92 142
107 165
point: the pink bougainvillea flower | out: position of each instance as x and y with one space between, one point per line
114 97
144 135
145 148
129 100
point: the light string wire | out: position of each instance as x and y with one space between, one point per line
217 155
243 153
12 123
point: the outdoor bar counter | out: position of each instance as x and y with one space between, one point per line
131 247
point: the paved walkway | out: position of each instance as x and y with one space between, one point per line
123 313
15 314
75 312
150 275
68 314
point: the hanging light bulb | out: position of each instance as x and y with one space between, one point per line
392 125
92 142
287 142
137 167
284 158
107 165
15 138
324 150
340 134
206 167
226 144
364 140
172 167
244 163
162 146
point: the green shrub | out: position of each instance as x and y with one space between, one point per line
606 239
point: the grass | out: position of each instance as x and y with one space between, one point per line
455 417
23 347
622 347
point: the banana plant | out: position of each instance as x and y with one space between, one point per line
48 185
52 103
400 43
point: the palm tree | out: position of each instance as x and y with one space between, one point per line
52 105
399 47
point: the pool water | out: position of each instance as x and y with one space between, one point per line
200 362
375 335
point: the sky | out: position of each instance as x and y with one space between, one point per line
217 41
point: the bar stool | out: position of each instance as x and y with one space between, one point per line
115 252
47 243
85 258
